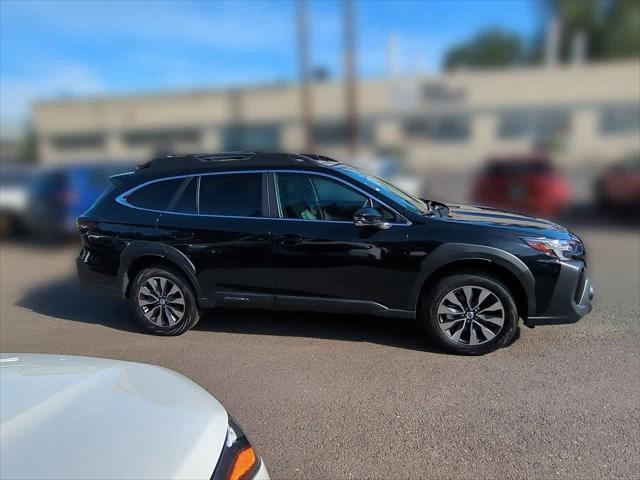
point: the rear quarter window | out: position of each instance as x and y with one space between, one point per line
156 195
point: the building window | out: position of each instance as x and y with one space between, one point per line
255 137
537 123
335 133
620 119
78 141
161 137
444 128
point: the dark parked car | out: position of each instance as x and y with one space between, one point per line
59 195
301 232
527 184
618 187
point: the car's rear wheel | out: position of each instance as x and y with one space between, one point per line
163 301
469 313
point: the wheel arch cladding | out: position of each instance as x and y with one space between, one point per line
451 258
139 255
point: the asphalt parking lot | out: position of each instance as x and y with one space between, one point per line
327 396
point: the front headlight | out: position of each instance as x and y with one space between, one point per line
238 460
562 249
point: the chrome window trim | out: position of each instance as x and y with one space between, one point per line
122 198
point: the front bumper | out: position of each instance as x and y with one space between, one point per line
571 299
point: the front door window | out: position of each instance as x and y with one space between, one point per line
314 197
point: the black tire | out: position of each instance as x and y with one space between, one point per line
190 315
431 320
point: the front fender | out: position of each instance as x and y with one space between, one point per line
449 253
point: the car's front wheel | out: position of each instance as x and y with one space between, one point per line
163 301
469 313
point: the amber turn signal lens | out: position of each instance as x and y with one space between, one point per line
245 460
542 246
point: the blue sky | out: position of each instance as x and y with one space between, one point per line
54 48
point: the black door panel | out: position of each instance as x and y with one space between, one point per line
229 241
229 254
319 252
340 261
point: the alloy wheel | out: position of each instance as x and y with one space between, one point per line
161 301
471 315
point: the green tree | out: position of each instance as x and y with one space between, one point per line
490 48
621 36
611 27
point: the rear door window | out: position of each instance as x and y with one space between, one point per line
156 195
233 195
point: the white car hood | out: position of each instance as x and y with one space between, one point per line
80 417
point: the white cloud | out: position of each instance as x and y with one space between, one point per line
259 36
151 29
53 80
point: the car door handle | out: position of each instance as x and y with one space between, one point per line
181 235
291 241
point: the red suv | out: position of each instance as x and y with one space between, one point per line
618 187
528 184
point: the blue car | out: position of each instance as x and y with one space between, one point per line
61 194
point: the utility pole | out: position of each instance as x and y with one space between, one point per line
303 62
351 101
552 41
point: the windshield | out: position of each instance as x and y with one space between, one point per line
401 197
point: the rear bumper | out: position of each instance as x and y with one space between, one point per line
89 279
572 298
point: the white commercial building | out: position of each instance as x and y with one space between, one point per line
588 114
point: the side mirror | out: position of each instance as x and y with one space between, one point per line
370 217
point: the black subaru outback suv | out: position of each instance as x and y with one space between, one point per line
303 232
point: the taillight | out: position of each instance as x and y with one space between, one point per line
84 225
